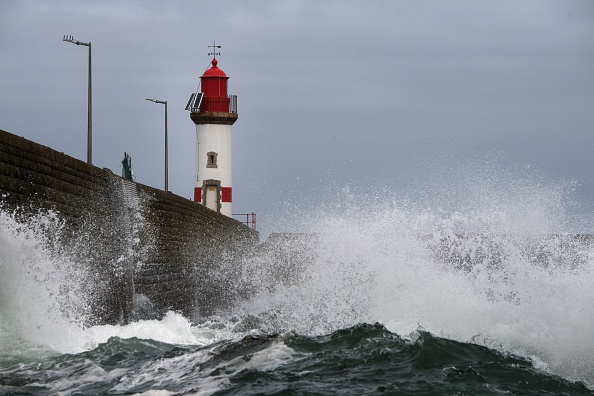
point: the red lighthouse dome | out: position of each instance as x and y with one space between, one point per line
214 89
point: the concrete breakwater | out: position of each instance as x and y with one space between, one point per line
136 243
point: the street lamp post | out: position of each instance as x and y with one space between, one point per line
71 39
166 160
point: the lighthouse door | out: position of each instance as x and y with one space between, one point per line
211 197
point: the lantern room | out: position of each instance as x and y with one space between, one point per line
214 90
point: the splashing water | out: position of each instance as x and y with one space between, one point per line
45 297
44 293
499 271
502 274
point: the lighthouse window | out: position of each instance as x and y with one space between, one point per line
211 159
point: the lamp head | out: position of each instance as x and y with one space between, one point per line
157 101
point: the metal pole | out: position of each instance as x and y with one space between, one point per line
90 116
71 39
166 151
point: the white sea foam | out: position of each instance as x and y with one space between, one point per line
268 359
371 261
41 289
172 329
169 370
43 300
86 374
383 263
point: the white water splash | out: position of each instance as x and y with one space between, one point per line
172 329
371 260
41 290
526 286
43 300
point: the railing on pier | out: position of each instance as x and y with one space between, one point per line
250 219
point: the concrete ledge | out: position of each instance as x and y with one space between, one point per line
214 118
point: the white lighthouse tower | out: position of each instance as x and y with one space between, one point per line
213 112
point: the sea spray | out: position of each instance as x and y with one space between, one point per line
44 293
374 293
503 271
55 279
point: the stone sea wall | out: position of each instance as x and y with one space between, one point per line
136 243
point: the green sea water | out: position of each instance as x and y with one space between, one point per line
365 359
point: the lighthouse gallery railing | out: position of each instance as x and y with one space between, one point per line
196 99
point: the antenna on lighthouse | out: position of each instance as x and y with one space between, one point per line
214 47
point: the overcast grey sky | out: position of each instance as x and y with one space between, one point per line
383 99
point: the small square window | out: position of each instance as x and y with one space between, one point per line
211 159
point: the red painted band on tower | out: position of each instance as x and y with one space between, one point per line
226 195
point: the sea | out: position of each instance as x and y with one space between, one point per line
394 298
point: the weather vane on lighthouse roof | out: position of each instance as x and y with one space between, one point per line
214 52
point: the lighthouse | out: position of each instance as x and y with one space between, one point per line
214 112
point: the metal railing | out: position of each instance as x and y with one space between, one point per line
250 219
196 99
232 103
